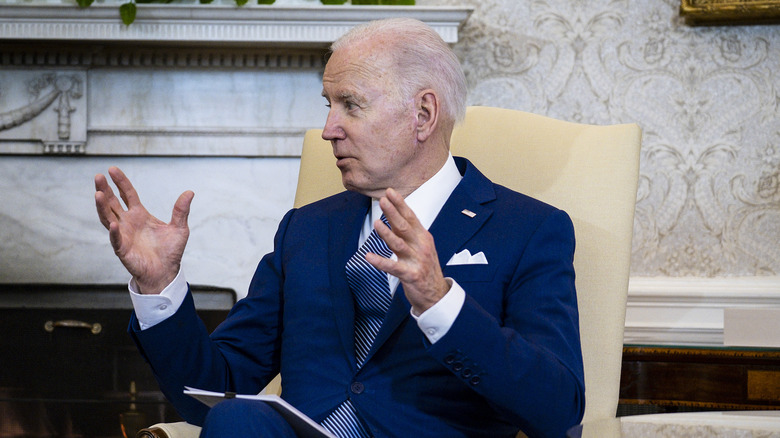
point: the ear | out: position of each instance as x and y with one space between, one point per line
427 107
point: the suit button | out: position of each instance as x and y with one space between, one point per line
466 373
449 359
356 387
457 366
475 380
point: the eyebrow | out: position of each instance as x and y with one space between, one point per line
345 95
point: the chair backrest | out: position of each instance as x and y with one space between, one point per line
589 171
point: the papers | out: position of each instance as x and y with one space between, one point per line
303 426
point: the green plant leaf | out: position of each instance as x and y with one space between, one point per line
84 3
127 12
205 2
264 2
241 2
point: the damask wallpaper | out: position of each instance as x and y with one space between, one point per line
706 98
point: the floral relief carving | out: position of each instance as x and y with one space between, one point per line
43 108
706 98
62 88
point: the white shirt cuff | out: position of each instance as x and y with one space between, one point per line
153 309
437 320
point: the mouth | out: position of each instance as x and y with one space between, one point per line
342 161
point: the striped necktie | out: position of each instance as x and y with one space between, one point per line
371 291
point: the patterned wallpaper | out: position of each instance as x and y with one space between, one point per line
706 98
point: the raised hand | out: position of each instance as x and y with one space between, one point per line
150 249
418 264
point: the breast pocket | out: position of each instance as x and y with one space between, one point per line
470 273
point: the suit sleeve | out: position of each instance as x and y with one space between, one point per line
182 353
526 362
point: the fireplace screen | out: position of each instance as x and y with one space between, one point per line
69 368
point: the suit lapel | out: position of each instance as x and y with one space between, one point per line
464 213
344 226
451 229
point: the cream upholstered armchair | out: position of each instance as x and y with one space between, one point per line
589 171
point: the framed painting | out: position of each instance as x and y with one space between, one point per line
730 12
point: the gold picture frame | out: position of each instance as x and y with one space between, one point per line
730 12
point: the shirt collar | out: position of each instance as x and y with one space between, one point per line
428 199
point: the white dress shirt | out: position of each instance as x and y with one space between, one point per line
425 202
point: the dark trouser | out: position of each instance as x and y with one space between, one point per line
245 418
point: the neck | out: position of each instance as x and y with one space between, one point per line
433 164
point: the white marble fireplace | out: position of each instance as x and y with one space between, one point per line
209 98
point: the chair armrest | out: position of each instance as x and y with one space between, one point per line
170 430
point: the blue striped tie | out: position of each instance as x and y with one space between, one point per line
372 299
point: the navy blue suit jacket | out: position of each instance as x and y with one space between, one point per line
511 360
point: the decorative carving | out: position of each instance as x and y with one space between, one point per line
64 87
31 123
64 148
234 58
16 117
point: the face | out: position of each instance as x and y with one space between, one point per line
372 131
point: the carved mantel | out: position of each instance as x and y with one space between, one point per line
302 26
58 64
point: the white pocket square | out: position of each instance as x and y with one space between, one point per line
465 258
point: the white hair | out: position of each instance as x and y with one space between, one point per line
421 58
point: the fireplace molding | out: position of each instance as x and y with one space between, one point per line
187 24
171 50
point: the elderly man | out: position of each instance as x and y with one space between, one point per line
425 301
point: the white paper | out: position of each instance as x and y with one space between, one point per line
303 426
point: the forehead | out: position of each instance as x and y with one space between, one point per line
355 69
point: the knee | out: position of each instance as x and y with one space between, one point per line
225 413
240 417
235 407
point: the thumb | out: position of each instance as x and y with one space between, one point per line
181 209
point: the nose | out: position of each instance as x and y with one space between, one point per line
332 129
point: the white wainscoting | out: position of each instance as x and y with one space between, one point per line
689 311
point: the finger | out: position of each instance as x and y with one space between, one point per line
384 264
101 184
102 210
181 209
402 207
113 209
108 207
402 219
126 189
115 236
394 217
100 199
396 243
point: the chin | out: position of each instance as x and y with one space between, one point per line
348 184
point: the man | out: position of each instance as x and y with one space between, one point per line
482 343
